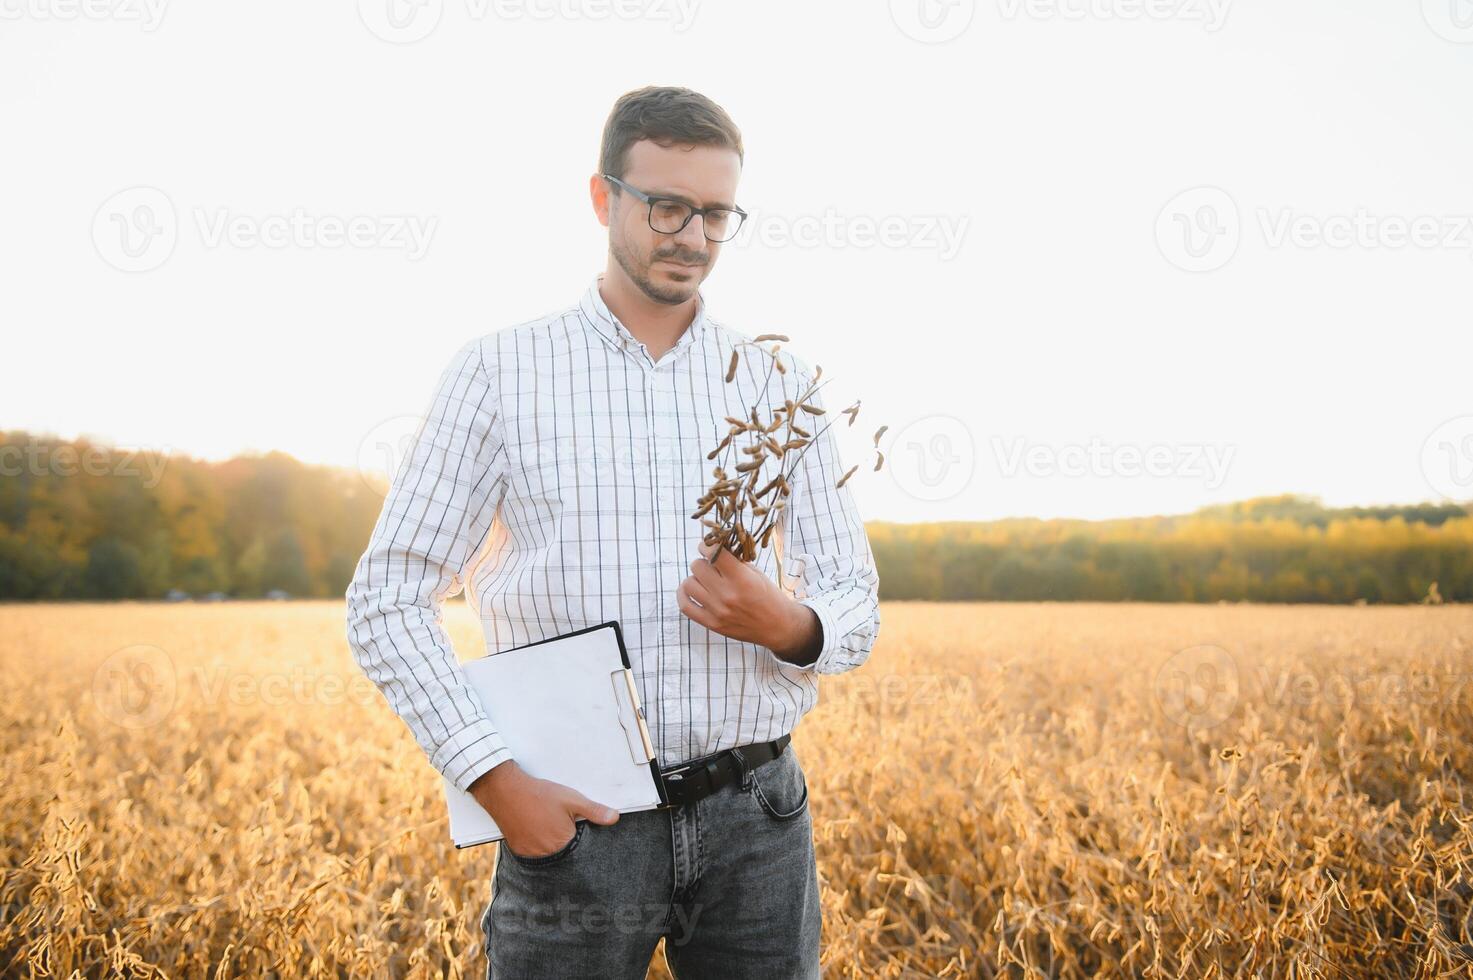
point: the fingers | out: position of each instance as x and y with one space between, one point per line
582 806
704 597
706 573
713 560
692 611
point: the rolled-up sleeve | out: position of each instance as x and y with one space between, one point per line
437 515
827 561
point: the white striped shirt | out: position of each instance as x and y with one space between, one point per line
554 477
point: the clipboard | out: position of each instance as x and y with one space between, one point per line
568 709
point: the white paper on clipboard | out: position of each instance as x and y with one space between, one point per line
568 709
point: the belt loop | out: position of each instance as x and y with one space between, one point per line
746 769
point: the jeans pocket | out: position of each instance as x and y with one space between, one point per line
780 787
543 860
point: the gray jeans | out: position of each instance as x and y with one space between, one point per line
729 882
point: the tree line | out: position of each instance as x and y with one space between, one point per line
84 521
80 520
1279 549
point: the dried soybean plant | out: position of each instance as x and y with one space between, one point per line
734 500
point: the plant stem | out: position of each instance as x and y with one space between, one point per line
729 528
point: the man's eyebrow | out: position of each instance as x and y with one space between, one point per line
685 200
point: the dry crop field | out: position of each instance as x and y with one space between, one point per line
1017 790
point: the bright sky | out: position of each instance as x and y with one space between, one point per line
1085 257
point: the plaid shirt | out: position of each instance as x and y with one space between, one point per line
554 478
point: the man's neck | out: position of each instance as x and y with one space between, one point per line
657 326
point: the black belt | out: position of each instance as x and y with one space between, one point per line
697 779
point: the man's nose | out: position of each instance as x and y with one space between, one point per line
693 236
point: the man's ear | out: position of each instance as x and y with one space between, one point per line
598 193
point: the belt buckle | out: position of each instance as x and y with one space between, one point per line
680 773
677 776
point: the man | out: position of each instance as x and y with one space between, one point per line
554 478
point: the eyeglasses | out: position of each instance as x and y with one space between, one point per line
668 216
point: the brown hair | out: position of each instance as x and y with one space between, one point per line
668 115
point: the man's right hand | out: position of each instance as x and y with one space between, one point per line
537 817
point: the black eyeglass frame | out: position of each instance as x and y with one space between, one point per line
651 199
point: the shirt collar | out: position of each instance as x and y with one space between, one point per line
597 314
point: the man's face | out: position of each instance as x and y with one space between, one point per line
670 268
